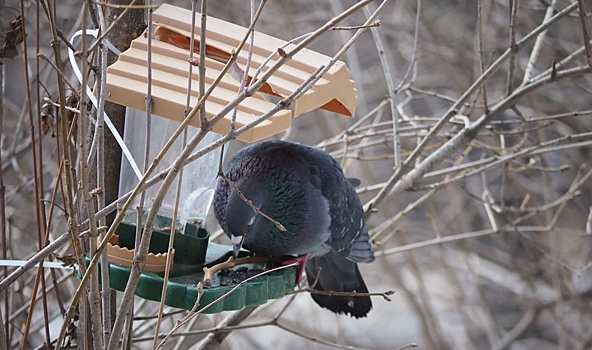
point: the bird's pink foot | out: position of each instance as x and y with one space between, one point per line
301 260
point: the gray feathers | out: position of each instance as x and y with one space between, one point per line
305 190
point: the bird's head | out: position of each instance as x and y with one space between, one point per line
240 216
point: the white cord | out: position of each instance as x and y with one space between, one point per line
93 99
46 264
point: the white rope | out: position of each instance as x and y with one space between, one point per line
46 264
93 99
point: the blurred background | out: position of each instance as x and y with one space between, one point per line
490 247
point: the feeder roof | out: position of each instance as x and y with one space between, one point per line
127 81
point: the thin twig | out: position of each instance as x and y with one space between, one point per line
89 201
538 45
513 9
202 55
480 29
384 295
98 147
232 262
392 92
408 78
249 202
374 24
585 31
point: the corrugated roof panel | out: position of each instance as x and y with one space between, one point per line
127 82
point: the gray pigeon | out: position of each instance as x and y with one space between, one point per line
305 190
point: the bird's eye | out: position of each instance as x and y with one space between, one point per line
251 221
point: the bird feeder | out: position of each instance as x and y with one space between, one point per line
190 257
127 84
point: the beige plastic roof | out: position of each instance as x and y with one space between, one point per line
127 78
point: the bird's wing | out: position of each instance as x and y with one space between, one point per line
349 234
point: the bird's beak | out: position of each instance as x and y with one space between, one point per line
237 243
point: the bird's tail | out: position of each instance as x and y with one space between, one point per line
338 274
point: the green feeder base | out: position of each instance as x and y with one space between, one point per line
192 253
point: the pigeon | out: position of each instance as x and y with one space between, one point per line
304 189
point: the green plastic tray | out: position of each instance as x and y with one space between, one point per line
192 253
